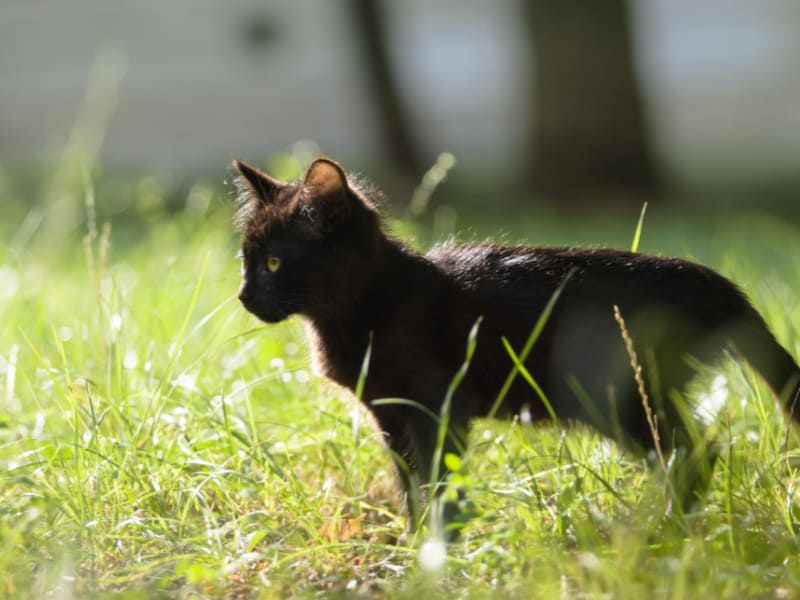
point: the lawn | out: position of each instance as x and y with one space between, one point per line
157 440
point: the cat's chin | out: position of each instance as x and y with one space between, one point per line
272 317
269 315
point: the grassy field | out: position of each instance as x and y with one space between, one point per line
156 440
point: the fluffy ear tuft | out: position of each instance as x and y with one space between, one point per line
262 187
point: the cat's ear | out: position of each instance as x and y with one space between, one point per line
261 186
326 188
325 179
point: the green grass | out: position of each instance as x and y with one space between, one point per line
155 439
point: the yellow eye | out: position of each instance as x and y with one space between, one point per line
273 263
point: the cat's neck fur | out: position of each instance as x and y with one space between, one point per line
393 282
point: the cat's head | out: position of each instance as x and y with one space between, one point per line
306 245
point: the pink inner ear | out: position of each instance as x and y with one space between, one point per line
325 178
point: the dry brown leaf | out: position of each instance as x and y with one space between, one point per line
341 530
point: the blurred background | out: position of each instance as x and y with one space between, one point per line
559 103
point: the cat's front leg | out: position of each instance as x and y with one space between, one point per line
418 445
403 441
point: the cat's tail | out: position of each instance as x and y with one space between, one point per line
779 369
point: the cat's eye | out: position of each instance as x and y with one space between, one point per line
273 263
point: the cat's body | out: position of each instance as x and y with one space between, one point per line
357 288
420 312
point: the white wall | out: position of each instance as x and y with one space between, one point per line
721 76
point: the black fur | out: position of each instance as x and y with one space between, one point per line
354 284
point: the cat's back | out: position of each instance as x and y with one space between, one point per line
598 275
484 264
488 260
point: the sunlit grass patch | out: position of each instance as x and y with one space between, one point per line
156 439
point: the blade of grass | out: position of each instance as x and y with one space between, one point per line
534 335
526 375
178 341
405 402
638 233
444 414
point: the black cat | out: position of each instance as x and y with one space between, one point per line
316 248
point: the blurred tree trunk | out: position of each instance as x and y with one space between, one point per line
369 20
589 134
